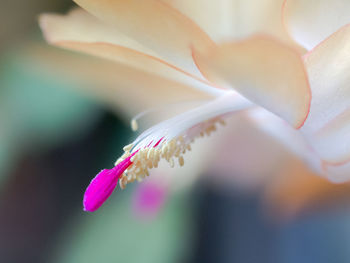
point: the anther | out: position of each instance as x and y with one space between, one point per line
134 125
127 148
181 161
222 122
171 161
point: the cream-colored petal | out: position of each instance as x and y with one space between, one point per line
82 32
123 88
327 126
235 19
79 25
294 140
328 67
265 71
309 22
249 157
258 17
214 17
156 25
332 142
338 173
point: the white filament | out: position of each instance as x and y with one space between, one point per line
171 128
136 118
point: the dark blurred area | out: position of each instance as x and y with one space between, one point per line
45 189
19 18
54 139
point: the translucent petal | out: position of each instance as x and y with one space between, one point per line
117 85
154 24
82 32
311 21
265 71
234 19
332 142
327 126
338 173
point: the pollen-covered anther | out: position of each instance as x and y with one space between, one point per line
148 157
181 161
134 125
127 148
222 122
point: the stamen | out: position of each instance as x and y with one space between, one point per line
134 125
168 140
127 148
172 138
148 157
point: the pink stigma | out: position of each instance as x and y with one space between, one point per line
102 186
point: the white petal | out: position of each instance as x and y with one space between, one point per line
258 17
82 32
123 88
292 139
214 17
79 25
154 24
234 19
311 21
332 142
327 125
338 173
265 71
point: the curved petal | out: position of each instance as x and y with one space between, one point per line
235 19
311 21
214 17
156 25
258 17
82 32
264 71
79 25
338 173
249 157
328 68
327 125
292 139
124 88
332 142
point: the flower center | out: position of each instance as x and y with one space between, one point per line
168 140
171 139
149 156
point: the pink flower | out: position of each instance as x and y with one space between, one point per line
291 73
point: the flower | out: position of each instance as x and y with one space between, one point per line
291 68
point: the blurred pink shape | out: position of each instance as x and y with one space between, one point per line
149 199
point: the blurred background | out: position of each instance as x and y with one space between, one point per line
55 136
